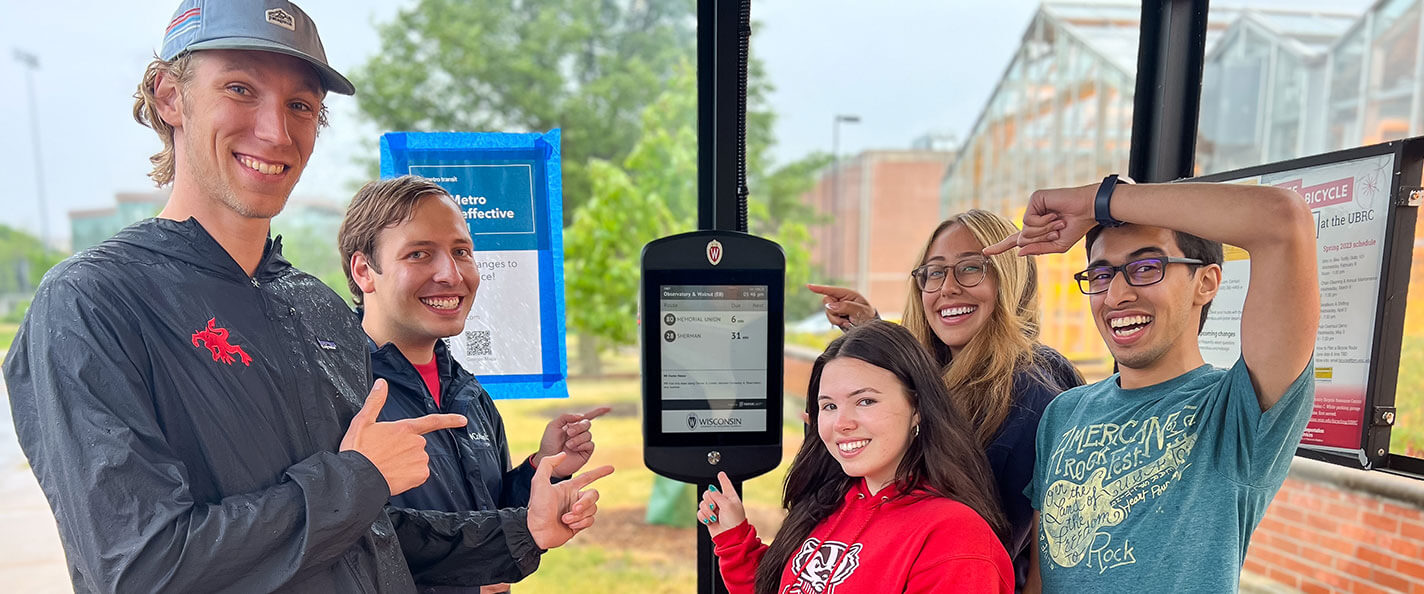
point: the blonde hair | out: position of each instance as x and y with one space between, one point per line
981 377
145 110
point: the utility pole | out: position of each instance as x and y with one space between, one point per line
837 238
32 63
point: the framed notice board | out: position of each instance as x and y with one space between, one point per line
1365 202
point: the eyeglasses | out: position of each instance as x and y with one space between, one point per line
1140 273
968 272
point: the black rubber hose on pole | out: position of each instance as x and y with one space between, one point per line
744 37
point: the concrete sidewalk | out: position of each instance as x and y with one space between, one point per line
31 558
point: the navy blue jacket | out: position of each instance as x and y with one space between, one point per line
184 421
469 467
1012 453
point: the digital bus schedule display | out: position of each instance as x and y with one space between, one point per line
713 352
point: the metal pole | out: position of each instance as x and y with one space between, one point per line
720 114
835 197
1170 55
32 63
717 115
709 573
837 235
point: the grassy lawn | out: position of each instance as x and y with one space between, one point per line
1407 437
621 553
7 336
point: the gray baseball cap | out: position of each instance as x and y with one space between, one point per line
263 25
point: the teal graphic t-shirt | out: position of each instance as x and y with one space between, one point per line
1159 488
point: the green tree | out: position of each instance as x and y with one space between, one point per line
586 66
654 194
313 250
24 260
776 210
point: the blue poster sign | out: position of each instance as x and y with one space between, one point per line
510 189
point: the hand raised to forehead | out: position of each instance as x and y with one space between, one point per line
1053 222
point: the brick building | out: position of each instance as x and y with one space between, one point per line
878 207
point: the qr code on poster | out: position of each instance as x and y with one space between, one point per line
477 343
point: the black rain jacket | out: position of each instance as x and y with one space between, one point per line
469 466
183 420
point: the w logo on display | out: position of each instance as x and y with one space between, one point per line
714 252
691 421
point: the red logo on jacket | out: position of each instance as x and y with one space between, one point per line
216 340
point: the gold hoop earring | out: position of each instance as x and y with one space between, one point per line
917 430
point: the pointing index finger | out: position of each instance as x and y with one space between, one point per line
435 422
597 412
727 487
837 293
584 479
1003 246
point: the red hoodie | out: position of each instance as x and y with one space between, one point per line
875 543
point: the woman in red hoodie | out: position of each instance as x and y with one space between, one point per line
895 496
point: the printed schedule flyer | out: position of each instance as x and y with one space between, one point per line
1351 203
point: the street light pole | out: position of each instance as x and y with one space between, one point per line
32 63
837 237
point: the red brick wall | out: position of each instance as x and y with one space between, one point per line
796 373
905 209
900 190
1323 537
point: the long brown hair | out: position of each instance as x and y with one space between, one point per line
982 374
942 460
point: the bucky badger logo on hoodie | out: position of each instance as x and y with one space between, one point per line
823 565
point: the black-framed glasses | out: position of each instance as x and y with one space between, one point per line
1138 273
968 272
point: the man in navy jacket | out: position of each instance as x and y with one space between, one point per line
410 266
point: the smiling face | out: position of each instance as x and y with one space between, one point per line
956 313
424 279
1147 326
864 419
244 125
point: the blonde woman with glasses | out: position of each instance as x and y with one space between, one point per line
978 317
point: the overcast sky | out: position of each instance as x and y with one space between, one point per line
907 68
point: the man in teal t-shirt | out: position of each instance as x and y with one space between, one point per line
1154 478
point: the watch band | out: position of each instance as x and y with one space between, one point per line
1102 202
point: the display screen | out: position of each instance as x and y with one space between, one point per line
713 341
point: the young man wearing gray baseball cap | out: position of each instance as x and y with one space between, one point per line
199 412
